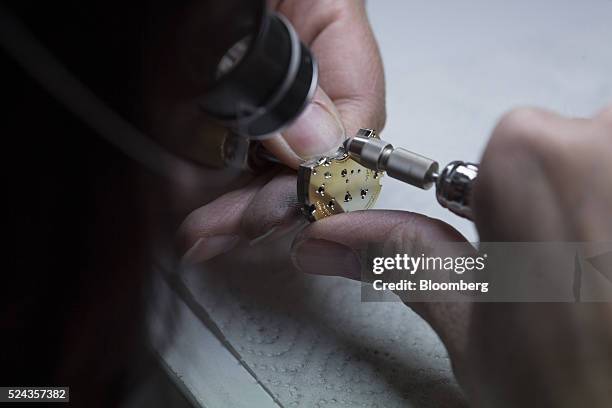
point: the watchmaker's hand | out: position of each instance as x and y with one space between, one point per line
351 95
351 79
543 177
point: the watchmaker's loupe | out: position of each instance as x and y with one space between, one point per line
263 78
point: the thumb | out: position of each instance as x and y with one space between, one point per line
330 247
317 131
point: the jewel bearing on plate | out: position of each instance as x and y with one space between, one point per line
336 184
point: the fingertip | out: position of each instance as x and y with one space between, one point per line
206 248
323 257
318 130
324 247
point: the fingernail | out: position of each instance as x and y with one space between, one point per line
322 257
207 248
317 131
279 231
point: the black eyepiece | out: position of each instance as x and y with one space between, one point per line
263 81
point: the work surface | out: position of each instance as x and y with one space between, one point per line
452 69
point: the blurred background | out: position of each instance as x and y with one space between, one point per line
453 68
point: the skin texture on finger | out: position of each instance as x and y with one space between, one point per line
267 203
552 354
330 247
273 208
350 68
219 218
351 91
318 130
355 230
544 170
543 177
512 143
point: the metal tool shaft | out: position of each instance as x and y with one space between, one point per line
401 164
453 183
